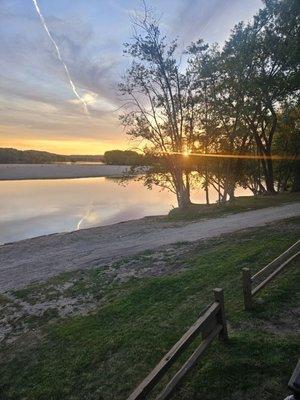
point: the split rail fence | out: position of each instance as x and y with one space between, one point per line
279 264
211 324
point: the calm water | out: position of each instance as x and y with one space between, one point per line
38 207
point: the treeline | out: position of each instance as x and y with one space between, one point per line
214 116
126 157
14 156
111 157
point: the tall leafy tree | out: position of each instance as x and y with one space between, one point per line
262 58
159 104
221 101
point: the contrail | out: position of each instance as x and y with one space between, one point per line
73 87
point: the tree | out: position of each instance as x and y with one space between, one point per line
160 104
287 146
262 58
218 105
223 129
123 157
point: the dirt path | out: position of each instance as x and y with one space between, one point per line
37 259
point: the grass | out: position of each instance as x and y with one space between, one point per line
104 355
243 203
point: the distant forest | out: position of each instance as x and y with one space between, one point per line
126 157
14 156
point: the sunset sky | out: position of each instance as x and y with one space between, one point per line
38 109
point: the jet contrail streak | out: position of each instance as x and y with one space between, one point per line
73 87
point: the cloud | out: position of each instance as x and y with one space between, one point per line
34 91
95 102
33 86
210 19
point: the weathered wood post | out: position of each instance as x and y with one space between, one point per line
247 289
219 297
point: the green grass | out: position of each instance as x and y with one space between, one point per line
104 355
3 300
243 203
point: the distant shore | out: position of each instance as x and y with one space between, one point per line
60 171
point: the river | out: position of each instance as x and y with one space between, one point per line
30 208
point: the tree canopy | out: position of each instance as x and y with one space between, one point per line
239 102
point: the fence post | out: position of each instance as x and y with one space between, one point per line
219 297
247 289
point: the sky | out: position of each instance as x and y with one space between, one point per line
38 108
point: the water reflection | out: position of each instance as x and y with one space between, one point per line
38 207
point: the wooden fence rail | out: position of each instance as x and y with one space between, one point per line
211 324
279 263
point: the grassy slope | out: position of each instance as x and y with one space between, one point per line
243 203
105 354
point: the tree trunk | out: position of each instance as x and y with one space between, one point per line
267 168
231 193
183 198
296 180
206 187
182 190
207 195
219 192
268 173
264 150
229 186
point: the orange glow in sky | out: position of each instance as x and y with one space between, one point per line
92 147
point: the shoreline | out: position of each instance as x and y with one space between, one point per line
18 172
137 222
39 258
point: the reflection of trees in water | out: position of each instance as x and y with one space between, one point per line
121 180
199 179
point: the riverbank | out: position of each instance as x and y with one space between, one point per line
240 204
43 257
60 171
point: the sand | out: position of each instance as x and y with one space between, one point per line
59 171
37 259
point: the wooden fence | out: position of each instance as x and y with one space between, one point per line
211 324
279 264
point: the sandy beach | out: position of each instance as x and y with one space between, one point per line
59 171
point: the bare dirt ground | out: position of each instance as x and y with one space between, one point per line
38 259
25 312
